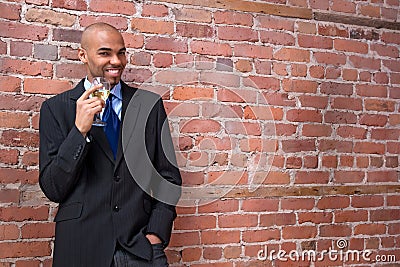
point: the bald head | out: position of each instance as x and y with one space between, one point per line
103 52
91 30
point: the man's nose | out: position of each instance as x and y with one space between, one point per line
115 60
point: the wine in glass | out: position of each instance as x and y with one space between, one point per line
102 93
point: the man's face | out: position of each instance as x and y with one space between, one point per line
104 55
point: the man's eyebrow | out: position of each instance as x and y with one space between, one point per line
109 49
104 49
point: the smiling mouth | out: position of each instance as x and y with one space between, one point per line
113 71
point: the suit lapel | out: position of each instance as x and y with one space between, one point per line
77 91
96 132
126 129
101 140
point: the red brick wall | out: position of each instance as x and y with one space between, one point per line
298 98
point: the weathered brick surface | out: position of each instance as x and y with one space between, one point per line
47 16
299 99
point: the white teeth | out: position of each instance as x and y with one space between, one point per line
113 71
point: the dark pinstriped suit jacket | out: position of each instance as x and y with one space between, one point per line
100 202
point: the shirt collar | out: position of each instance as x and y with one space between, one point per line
116 90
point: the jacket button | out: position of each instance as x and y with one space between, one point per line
116 208
117 178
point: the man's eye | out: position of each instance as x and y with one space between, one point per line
103 53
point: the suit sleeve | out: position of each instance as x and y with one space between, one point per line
61 155
163 214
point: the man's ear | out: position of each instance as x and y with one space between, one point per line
82 55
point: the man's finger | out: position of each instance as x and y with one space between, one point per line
88 92
93 102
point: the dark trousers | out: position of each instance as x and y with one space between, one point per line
123 258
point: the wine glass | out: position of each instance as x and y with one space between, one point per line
102 93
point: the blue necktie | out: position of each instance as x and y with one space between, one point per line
113 124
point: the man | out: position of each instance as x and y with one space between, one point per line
105 216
